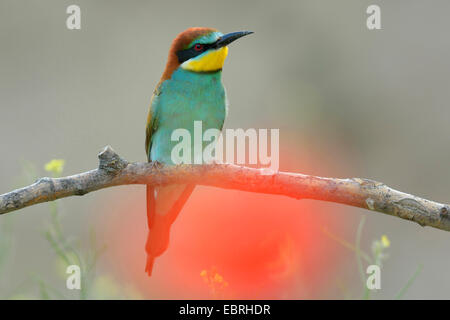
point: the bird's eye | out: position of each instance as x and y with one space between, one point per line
198 47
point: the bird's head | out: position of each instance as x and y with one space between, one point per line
200 50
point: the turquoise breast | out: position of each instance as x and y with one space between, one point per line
185 98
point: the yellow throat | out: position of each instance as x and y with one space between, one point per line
210 61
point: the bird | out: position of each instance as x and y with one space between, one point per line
190 89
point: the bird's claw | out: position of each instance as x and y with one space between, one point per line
156 164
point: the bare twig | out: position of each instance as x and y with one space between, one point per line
115 171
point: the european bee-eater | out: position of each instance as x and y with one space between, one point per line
190 90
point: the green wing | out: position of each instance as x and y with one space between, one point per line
152 123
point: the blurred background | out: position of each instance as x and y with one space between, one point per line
349 102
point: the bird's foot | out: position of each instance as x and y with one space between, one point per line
157 165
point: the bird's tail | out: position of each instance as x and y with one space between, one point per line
163 207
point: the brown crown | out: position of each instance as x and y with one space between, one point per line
179 43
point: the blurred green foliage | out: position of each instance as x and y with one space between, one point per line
377 257
67 250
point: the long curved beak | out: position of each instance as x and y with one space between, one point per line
229 38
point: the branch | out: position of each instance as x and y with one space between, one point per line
115 171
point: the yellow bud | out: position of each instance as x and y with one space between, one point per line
218 278
385 241
55 166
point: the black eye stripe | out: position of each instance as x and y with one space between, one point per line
186 54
